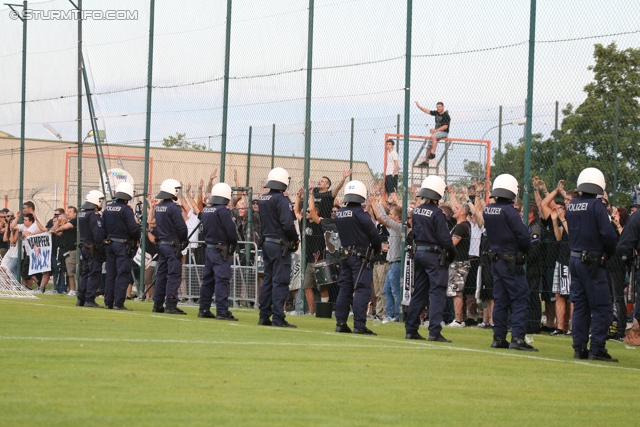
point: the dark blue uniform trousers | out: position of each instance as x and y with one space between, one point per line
591 306
353 294
509 290
430 283
215 276
91 276
275 282
118 274
168 277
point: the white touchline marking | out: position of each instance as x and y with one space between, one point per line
404 345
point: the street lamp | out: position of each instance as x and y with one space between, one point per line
519 122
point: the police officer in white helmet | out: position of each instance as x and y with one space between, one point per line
509 241
360 241
92 249
591 240
280 240
172 235
432 252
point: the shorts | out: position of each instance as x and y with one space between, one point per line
390 183
440 135
310 278
561 279
458 271
70 263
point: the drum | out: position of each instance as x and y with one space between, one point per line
325 273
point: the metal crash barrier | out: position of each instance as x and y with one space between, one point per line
244 274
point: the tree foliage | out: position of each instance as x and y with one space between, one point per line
179 141
587 137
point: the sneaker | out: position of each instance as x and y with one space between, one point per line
456 324
294 313
432 156
483 325
72 293
603 356
557 332
422 165
387 319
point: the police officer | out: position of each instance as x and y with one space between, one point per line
92 249
172 237
628 243
360 242
280 240
590 238
221 239
123 235
509 241
434 250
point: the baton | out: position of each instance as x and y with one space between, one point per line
365 261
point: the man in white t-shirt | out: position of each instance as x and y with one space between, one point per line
391 172
31 225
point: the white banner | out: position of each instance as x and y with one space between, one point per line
38 248
407 283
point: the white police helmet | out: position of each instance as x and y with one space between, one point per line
591 180
220 194
355 191
278 179
93 200
169 189
124 191
432 187
505 186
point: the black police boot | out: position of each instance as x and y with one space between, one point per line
92 304
499 343
343 327
602 355
286 324
228 316
519 344
207 314
173 310
580 353
80 303
157 308
108 306
121 307
264 321
414 336
363 331
438 338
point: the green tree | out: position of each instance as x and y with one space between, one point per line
588 133
179 141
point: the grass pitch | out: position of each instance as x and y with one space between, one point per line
69 366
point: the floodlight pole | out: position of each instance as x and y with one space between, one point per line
407 112
147 147
225 95
22 111
307 143
529 113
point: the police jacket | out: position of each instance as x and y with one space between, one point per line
589 226
91 231
506 232
356 228
218 226
430 227
119 221
630 237
276 216
169 222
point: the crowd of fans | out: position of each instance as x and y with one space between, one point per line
470 298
